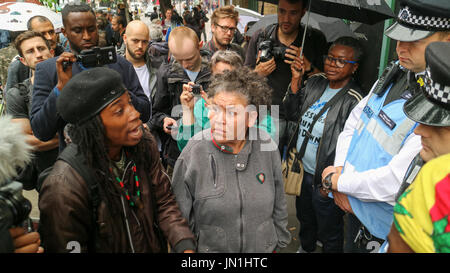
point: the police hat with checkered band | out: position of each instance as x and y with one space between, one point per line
432 105
418 19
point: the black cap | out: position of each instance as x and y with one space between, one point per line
87 93
432 105
418 19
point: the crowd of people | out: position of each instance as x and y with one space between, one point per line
180 144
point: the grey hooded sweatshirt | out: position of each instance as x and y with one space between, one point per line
233 203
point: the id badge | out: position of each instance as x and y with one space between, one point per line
387 120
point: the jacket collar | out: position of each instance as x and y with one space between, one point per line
240 159
176 71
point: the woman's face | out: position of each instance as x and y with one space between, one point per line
229 117
122 123
332 69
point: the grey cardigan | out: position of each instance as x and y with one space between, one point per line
234 203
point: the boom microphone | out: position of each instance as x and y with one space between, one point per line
15 152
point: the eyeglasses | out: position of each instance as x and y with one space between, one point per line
339 62
226 29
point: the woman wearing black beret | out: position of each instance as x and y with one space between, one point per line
125 204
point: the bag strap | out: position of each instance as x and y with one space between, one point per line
338 96
300 116
77 161
266 34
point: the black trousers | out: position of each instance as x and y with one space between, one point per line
366 243
320 219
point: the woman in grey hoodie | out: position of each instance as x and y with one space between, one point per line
228 180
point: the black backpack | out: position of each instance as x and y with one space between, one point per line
77 161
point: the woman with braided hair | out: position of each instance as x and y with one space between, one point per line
124 202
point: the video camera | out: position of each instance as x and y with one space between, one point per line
268 51
96 56
14 208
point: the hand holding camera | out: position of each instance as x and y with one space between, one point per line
292 54
190 91
25 242
62 69
187 99
93 57
265 68
14 207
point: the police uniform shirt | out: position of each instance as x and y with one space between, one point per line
380 184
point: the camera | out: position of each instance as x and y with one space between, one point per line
389 75
96 56
268 51
196 88
15 153
14 208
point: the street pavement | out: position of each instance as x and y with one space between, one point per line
293 224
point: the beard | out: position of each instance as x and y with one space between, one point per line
133 55
220 43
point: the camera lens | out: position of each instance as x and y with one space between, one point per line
196 89
265 48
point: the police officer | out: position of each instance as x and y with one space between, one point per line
431 109
378 142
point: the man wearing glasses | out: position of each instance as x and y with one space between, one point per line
286 34
223 26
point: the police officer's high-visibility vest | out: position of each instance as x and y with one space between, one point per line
379 135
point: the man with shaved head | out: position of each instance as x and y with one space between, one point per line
190 65
136 39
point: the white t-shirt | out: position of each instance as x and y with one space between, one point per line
143 76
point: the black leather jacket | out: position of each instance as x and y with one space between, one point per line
297 104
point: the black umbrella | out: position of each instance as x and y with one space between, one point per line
363 11
332 28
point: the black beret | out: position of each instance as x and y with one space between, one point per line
87 93
432 105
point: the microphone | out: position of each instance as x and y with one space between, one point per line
15 152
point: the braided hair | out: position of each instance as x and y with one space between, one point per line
91 140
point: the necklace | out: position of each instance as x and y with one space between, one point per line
131 199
